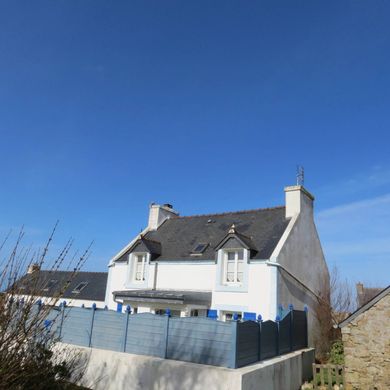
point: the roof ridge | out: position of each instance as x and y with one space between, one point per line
71 271
228 212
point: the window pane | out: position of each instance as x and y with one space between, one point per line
230 266
240 276
231 255
240 266
140 258
240 254
230 277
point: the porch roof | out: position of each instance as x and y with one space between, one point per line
166 296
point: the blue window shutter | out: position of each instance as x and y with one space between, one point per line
119 308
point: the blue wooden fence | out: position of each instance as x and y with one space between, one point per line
193 339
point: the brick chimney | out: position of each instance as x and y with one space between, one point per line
158 214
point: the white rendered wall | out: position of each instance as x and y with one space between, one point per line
186 275
116 281
260 294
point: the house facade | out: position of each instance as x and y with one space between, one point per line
253 261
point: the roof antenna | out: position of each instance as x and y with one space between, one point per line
300 175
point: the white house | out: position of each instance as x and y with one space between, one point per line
246 261
79 289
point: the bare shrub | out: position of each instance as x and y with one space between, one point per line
334 303
28 359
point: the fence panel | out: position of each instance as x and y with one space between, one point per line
146 334
247 343
269 334
76 327
54 318
200 340
109 330
299 330
285 334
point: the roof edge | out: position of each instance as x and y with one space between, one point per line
365 307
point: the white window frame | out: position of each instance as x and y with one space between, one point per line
235 281
143 267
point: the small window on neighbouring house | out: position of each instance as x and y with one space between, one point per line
79 287
50 284
199 249
194 313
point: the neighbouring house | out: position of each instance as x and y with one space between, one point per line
81 289
365 294
366 339
253 261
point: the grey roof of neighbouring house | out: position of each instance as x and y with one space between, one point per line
37 283
179 235
365 294
365 307
166 296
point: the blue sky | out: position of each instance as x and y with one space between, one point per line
108 106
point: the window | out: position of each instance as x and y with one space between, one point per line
50 284
194 313
139 267
79 287
199 249
228 316
233 267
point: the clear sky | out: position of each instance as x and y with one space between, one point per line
106 106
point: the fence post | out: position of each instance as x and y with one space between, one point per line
62 307
291 333
128 312
259 321
234 345
277 320
92 321
306 309
168 315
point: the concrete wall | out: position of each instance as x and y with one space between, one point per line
115 371
366 342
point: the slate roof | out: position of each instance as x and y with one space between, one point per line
166 296
178 236
95 290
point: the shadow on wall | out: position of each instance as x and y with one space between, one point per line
290 291
116 370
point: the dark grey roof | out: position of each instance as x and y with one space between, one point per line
166 296
67 281
365 307
178 236
144 244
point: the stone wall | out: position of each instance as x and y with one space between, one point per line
367 348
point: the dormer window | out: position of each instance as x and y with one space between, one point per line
233 266
79 287
140 267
